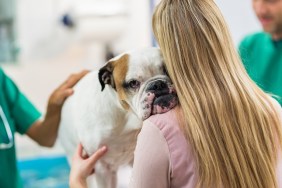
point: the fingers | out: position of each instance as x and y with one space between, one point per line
93 158
83 167
66 89
62 95
97 155
73 79
79 150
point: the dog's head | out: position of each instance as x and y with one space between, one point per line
140 81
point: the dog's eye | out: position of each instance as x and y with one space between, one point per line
134 84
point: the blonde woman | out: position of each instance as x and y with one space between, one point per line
226 132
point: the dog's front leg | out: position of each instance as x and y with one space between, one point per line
105 177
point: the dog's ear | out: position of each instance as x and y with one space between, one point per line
106 75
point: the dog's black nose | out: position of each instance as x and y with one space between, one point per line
157 85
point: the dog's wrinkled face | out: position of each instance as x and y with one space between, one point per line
141 82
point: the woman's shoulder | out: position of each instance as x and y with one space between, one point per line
163 121
168 124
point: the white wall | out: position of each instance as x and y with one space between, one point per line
40 34
240 17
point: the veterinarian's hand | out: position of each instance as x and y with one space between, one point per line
83 167
45 132
58 97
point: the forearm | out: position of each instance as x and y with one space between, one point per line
49 129
45 132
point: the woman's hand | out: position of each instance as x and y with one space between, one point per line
83 167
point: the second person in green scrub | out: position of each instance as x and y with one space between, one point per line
261 52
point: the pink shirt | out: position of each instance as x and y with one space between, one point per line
163 158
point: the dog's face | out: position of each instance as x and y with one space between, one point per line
140 81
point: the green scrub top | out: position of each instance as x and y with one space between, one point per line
21 114
262 58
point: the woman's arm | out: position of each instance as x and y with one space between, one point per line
151 167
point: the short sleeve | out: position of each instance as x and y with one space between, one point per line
151 167
21 110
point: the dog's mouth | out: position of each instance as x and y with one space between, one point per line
159 98
163 103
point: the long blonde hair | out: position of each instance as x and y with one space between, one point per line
230 123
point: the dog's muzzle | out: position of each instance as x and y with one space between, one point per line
159 97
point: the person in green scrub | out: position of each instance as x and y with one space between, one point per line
261 52
18 114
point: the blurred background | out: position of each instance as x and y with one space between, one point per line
43 41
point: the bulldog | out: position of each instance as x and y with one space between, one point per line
108 107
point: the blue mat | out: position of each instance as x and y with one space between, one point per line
47 172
